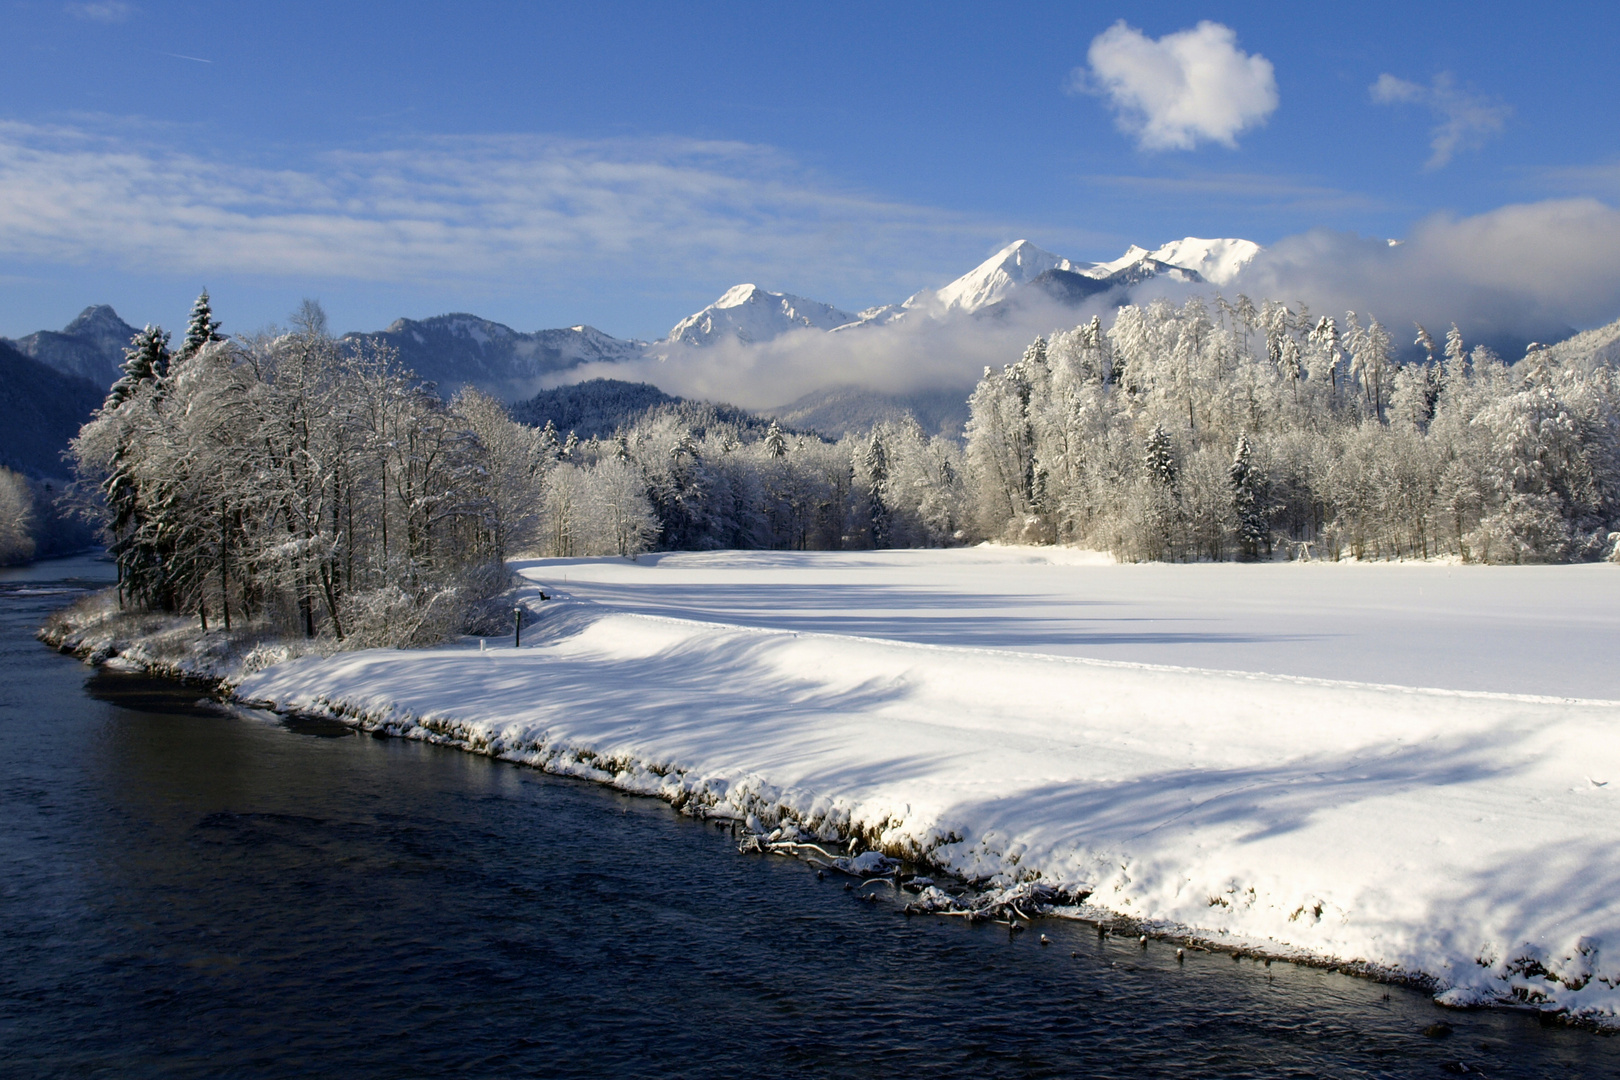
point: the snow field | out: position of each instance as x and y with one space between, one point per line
1465 835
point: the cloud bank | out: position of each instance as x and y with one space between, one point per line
1185 88
1531 271
1466 119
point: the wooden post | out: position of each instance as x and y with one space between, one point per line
517 628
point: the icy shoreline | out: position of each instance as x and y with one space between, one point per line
1454 840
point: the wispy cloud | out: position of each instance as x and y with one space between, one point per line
1281 193
469 210
1466 118
1602 178
1184 88
102 11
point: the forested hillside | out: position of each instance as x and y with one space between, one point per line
44 408
1197 433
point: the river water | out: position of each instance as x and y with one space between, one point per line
192 890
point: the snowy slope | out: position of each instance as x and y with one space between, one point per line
90 347
1216 261
1599 347
1465 835
458 350
994 279
750 314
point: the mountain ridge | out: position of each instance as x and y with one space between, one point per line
90 347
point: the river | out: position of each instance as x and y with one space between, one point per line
188 889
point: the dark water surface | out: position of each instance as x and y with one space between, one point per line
191 891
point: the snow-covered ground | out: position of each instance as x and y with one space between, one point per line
1007 713
1551 630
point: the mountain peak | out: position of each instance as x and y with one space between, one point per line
99 320
1019 263
751 315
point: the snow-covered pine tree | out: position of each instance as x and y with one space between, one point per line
145 361
1160 457
1249 501
1456 361
875 459
201 330
775 441
550 448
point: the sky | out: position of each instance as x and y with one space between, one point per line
623 164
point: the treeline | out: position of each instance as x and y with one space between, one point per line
290 480
1197 433
691 477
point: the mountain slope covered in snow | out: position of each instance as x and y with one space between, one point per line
750 314
90 347
464 350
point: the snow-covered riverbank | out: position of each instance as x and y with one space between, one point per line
1468 836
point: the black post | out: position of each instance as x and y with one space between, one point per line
517 628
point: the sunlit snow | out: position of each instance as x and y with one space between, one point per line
1412 765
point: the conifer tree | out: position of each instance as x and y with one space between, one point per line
1248 500
1160 457
201 330
775 441
876 460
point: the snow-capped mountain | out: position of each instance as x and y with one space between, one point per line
750 314
90 347
460 350
996 283
994 279
1216 261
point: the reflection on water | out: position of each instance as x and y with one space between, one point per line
191 890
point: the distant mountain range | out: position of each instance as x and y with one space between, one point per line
459 350
463 350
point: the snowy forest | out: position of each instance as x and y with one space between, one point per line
1243 431
292 479
298 480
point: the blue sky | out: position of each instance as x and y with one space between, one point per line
546 164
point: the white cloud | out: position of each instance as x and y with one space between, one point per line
470 211
1185 88
1466 119
1530 271
103 11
